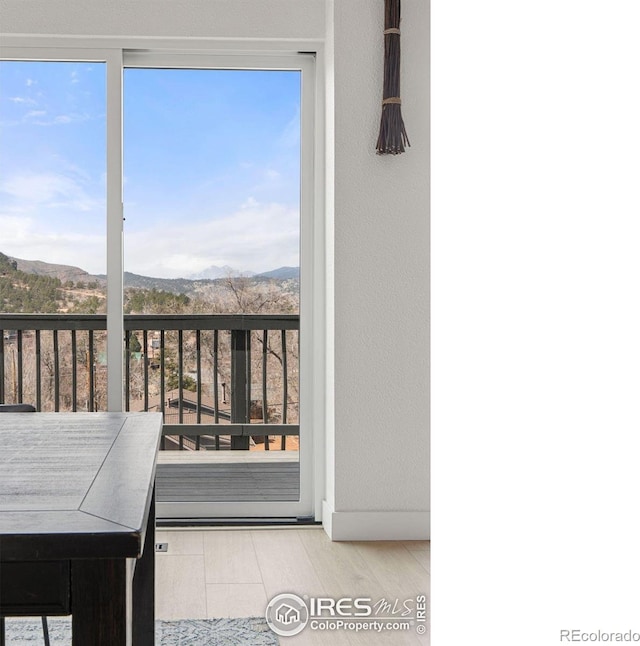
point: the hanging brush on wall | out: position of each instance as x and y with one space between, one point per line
393 136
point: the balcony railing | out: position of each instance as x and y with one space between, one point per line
221 380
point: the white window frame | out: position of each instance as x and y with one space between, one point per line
306 56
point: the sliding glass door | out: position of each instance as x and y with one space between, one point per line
178 188
212 195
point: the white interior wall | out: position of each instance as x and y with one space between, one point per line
381 282
166 18
377 445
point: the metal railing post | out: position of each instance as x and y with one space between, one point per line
240 354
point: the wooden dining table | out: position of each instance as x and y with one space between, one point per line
77 522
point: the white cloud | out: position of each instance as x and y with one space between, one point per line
71 169
15 229
269 181
25 237
22 99
47 190
40 118
257 237
249 203
290 135
61 119
52 217
30 82
272 175
41 210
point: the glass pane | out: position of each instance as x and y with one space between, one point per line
53 222
212 206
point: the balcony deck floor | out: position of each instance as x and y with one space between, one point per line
226 476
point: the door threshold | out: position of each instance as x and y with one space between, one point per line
200 523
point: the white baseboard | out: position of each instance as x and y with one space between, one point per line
376 525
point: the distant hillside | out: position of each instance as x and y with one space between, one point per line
173 285
27 292
63 272
196 287
286 276
282 273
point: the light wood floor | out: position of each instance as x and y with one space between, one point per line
235 572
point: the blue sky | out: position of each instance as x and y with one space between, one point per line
211 167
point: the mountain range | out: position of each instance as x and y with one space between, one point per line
214 272
175 285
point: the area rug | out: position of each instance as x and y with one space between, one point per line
187 632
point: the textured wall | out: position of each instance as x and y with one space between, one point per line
183 18
381 268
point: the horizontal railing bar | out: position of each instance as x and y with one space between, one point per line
212 321
193 430
53 321
134 322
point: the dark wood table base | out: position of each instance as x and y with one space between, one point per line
80 539
105 585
